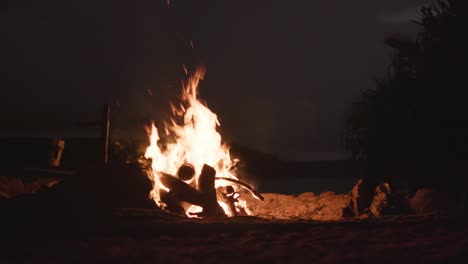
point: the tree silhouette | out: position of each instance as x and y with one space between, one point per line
417 116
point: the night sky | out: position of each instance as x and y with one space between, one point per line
280 74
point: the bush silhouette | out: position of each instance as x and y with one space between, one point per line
416 117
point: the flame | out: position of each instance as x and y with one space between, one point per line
195 141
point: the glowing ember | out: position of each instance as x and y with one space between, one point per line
193 139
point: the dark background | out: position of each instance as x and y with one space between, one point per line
281 75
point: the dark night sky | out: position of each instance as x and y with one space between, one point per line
281 74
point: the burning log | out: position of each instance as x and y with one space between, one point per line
249 188
181 190
172 202
186 172
206 185
229 197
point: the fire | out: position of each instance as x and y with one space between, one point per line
195 140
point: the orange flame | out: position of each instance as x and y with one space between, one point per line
197 142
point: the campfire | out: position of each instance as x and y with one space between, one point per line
191 169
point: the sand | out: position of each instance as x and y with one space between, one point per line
290 229
151 236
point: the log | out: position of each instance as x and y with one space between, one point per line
226 194
244 185
206 185
205 196
181 190
172 203
186 172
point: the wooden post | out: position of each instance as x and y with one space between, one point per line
106 132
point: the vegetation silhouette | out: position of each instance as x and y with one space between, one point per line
415 121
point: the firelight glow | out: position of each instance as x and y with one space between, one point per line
195 141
